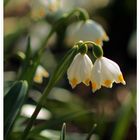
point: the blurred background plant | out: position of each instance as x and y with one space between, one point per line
112 111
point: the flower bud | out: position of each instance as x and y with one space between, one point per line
97 51
83 48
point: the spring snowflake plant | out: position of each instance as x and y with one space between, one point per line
80 68
76 62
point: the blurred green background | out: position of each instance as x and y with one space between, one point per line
112 110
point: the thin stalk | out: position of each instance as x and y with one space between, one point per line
36 112
91 132
96 49
90 42
31 121
83 13
43 45
58 74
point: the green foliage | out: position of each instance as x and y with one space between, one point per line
27 70
63 65
13 100
83 49
124 119
97 51
10 39
63 132
91 132
77 107
7 86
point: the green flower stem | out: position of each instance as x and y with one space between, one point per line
82 13
89 42
43 45
97 49
35 113
60 70
58 74
84 16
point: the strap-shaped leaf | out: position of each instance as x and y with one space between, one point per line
27 54
91 132
63 132
7 86
125 117
13 101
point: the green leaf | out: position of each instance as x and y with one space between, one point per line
7 86
63 65
63 132
124 119
10 39
91 132
58 74
97 51
27 59
13 101
28 50
65 107
29 65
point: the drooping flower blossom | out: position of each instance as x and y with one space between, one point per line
86 30
40 73
104 73
80 70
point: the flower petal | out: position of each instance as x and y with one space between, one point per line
114 70
80 70
89 30
104 73
40 73
96 76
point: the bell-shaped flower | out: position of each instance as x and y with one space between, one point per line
38 33
80 70
40 73
38 9
104 73
86 30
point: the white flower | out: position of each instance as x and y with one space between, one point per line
40 73
42 8
104 73
38 9
86 30
80 70
38 33
53 5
